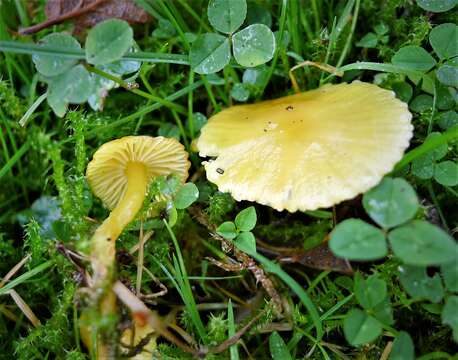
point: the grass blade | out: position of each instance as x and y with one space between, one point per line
233 350
20 279
36 49
14 159
305 299
185 286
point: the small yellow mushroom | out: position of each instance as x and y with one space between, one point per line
119 174
309 150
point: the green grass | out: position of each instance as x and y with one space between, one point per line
48 212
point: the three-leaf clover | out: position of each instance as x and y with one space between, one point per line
392 205
240 230
70 82
251 46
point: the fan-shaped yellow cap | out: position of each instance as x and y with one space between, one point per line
307 151
161 156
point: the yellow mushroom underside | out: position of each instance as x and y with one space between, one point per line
119 174
307 151
106 173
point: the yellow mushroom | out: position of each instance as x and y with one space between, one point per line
119 174
309 150
140 334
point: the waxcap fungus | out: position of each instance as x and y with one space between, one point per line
309 150
160 155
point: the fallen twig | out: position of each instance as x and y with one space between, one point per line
77 11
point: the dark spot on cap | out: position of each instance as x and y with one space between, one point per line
108 238
265 130
220 171
289 108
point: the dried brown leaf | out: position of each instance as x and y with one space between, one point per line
87 13
321 258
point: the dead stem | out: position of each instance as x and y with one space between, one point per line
244 261
77 11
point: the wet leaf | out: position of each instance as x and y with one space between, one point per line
403 348
443 40
246 242
413 58
450 275
226 16
209 53
448 75
74 86
371 291
278 348
360 328
254 45
423 244
391 203
54 65
227 230
246 219
437 5
240 92
446 173
419 285
450 315
186 196
108 41
354 239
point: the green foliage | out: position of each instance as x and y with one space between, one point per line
278 348
391 203
419 285
108 41
210 53
360 328
252 46
356 240
226 16
246 219
450 315
217 328
414 58
52 65
240 231
74 87
413 285
403 348
437 5
441 40
55 335
10 103
186 196
371 39
34 244
421 243
450 275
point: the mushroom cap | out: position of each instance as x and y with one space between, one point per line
309 150
161 156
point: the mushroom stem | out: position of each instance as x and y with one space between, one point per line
104 239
